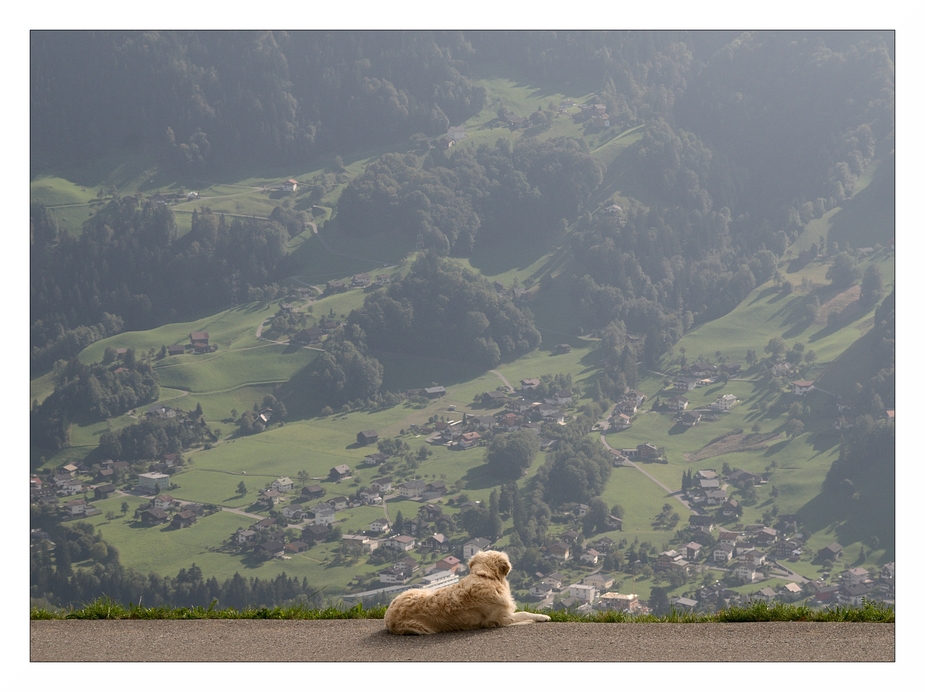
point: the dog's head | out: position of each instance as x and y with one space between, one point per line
491 564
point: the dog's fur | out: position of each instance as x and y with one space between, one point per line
482 599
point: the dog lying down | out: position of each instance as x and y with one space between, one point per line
481 599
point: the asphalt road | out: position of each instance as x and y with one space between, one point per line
367 640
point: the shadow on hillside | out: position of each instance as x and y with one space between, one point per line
479 478
771 290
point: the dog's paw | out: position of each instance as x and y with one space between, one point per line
542 618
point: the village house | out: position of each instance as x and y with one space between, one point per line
801 387
282 485
476 545
183 519
311 492
725 402
450 563
404 543
339 472
367 437
437 580
379 526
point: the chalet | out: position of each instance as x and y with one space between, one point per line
200 341
367 437
831 552
362 543
469 439
339 503
323 514
702 520
394 575
559 551
647 450
379 526
722 554
271 548
412 488
293 512
183 519
690 419
624 602
801 387
677 403
686 384
359 280
382 485
335 286
434 392
404 543
376 459
270 498
383 279
476 545
438 542
590 556
855 575
315 532
529 384
339 472
164 502
311 492
494 398
103 491
311 335
731 508
283 484
297 546
559 397
153 516
369 496
243 536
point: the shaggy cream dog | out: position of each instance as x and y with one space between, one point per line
482 599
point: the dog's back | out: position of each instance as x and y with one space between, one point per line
474 603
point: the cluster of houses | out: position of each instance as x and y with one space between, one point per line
164 509
594 114
315 334
362 280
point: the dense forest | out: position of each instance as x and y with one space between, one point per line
91 392
440 309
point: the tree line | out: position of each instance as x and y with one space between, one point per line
55 577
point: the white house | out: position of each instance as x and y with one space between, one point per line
282 485
801 387
583 592
324 514
438 580
725 402
476 545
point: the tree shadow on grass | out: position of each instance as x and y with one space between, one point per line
479 478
